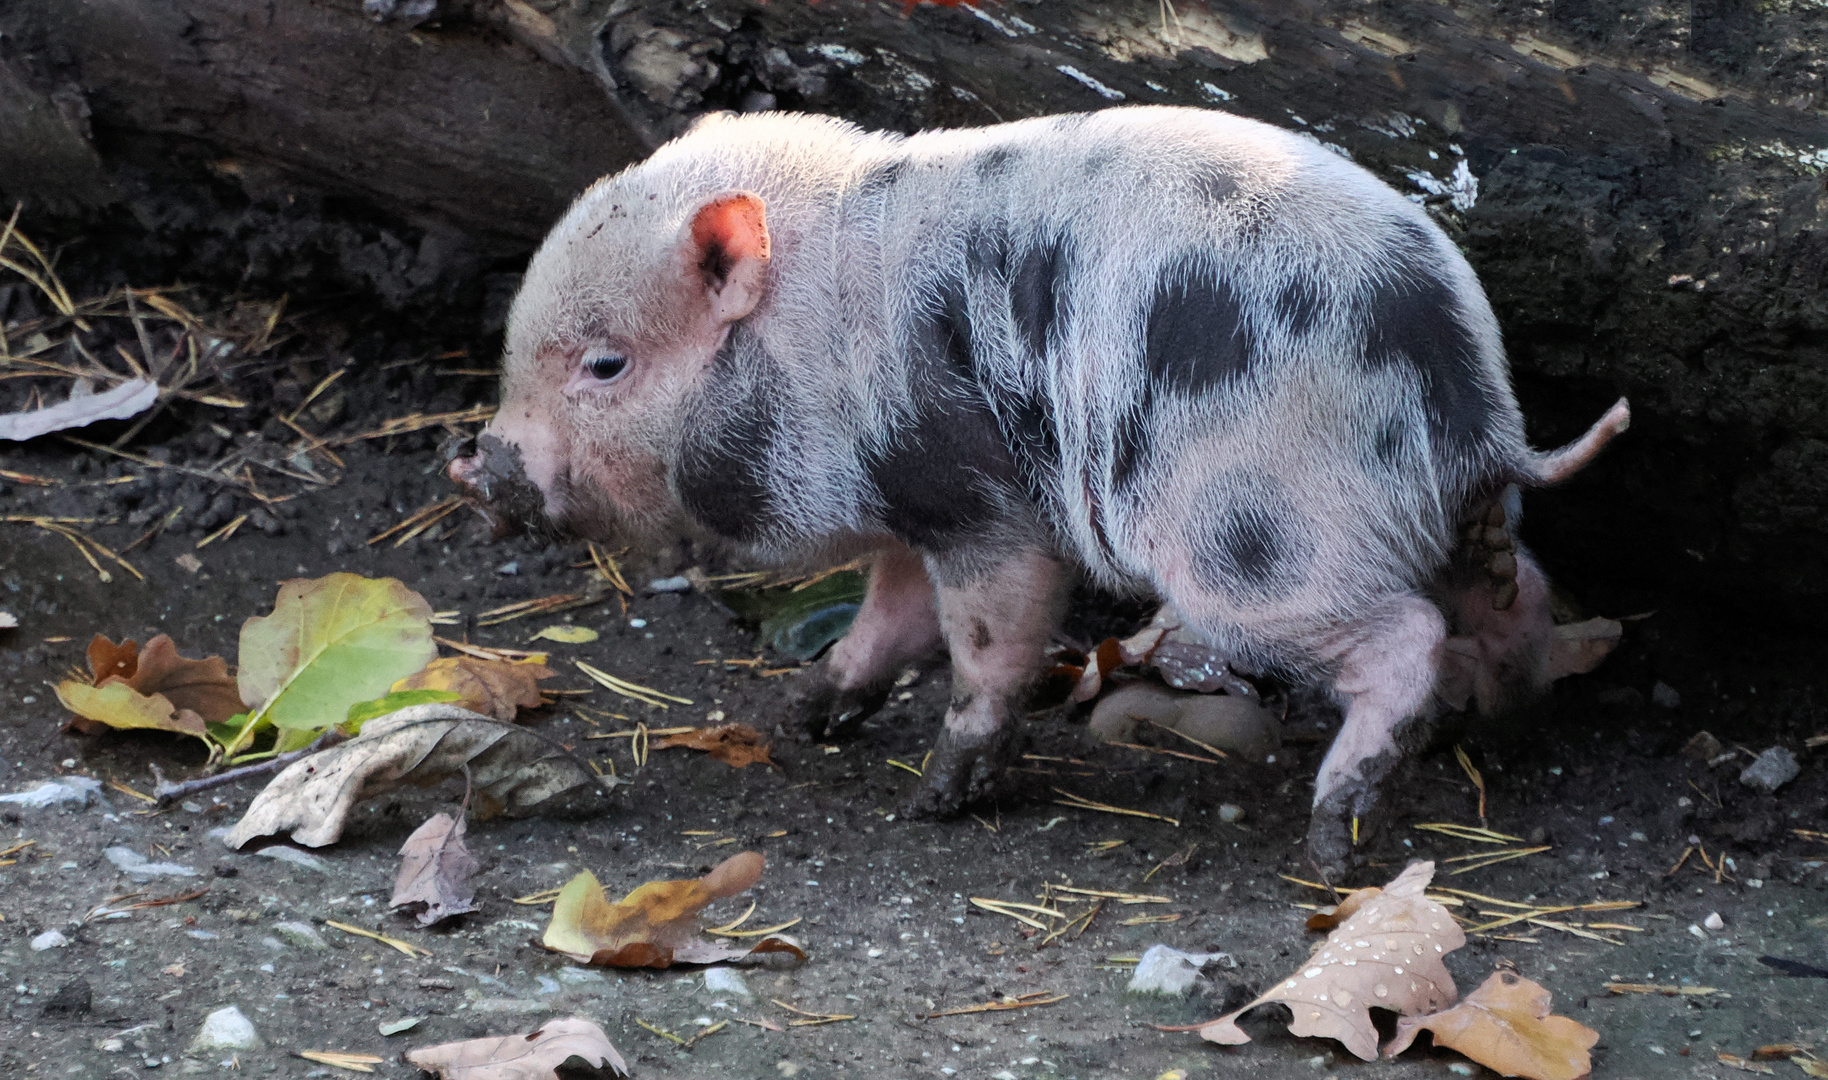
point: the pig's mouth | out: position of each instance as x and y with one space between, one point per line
494 480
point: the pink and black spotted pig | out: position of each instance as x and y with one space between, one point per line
1178 351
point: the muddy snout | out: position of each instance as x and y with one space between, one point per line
494 480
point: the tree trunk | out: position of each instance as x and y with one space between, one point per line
1642 194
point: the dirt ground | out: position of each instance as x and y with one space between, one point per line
1596 773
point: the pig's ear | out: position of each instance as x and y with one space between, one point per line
727 243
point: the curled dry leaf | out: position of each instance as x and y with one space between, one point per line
498 688
435 872
511 772
152 687
575 1044
655 926
129 399
1505 1026
1386 954
737 745
330 643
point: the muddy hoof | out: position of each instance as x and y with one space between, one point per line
823 711
1332 845
960 772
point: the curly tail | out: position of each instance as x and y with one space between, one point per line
1544 469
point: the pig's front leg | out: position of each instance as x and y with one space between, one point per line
997 621
897 624
1387 665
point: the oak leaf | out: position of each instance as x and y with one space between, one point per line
737 745
1386 954
537 1055
655 926
153 687
511 772
435 870
498 688
1505 1026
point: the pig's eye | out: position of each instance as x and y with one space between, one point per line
606 366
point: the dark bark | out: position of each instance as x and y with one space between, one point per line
1651 215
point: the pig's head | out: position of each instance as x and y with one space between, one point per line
618 320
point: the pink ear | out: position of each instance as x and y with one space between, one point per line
727 230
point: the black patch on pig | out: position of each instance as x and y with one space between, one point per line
1130 444
722 475
1196 340
1388 449
980 635
882 177
994 163
1298 305
1247 540
1212 183
987 251
1413 320
1102 159
1034 294
943 477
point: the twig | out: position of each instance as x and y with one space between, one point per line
166 792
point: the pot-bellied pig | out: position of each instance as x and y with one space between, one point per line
1181 351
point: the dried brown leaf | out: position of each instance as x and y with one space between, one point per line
537 1055
151 688
497 688
655 926
435 872
1327 920
737 745
511 772
1386 955
1505 1025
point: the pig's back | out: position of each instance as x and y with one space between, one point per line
1220 359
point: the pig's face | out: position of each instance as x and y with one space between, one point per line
617 322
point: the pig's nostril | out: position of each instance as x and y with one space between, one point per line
457 446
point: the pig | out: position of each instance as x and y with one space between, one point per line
1173 350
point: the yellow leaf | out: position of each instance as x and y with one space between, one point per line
121 706
654 926
497 688
1505 1025
567 635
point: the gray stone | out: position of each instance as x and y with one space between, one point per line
137 867
1231 813
225 1029
50 939
670 584
1664 696
508 1005
578 976
1171 972
301 934
76 791
304 860
722 980
1773 769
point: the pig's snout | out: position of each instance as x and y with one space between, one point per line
493 478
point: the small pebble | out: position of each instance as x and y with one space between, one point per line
1773 769
670 584
137 867
509 1005
721 980
509 569
226 1029
301 934
1230 813
1664 696
1714 921
50 939
1697 931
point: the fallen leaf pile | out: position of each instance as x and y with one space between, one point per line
573 1048
1505 1025
435 871
511 772
1385 951
498 688
737 745
154 687
657 925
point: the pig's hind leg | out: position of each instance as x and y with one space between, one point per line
898 624
997 622
1386 665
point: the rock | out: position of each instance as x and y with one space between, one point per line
508 1005
77 791
579 976
1169 971
304 860
71 998
136 866
1773 769
1702 747
1231 813
50 939
670 584
301 934
395 1027
1664 696
722 980
509 569
1714 921
225 1029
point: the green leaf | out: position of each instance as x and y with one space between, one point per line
801 622
328 645
229 730
363 711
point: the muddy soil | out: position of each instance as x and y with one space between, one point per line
1596 773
